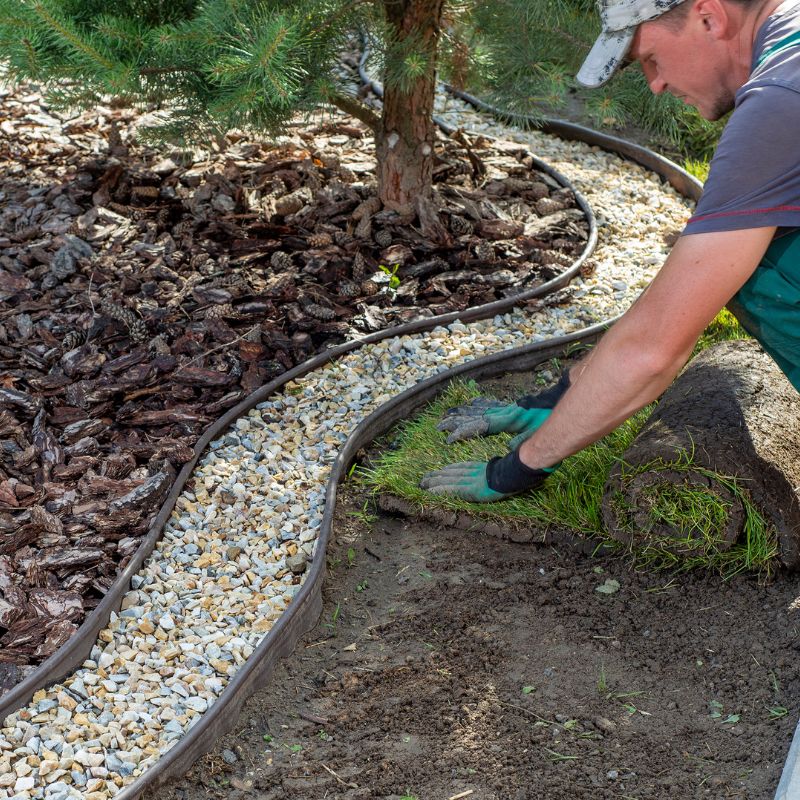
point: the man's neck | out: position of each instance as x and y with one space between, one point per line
750 23
759 16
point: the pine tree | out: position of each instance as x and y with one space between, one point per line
213 65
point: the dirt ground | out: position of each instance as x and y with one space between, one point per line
450 664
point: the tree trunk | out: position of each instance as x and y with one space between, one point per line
405 142
735 414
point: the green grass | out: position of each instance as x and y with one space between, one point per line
698 167
572 496
723 328
695 514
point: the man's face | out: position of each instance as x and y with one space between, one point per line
688 63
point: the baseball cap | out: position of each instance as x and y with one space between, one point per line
619 19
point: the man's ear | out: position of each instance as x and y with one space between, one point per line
714 16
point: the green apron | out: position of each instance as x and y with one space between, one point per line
768 305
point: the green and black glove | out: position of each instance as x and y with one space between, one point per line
484 417
485 481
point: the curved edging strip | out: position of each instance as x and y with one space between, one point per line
76 650
304 610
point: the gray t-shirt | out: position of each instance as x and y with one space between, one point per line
754 179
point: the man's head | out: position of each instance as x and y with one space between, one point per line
698 50
619 18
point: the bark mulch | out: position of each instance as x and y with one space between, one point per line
144 292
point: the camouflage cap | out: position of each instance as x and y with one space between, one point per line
619 18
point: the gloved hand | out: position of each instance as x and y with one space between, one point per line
484 417
485 481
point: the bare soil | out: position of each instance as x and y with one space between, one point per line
450 664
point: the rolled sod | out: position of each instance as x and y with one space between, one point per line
728 427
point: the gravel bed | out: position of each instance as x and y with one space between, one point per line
232 556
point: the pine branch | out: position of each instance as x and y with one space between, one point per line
355 109
74 40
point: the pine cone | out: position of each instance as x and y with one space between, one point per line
546 206
538 190
145 192
342 238
281 260
484 250
320 312
221 310
349 289
359 271
136 328
517 185
588 268
369 288
317 240
72 340
383 238
138 332
460 226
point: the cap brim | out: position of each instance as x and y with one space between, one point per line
605 57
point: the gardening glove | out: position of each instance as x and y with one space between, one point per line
485 481
484 417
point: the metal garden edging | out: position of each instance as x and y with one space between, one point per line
305 608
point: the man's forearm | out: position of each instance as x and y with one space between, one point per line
620 376
638 358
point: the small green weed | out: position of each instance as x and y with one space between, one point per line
364 515
394 278
602 681
351 556
334 619
360 587
557 758
777 712
716 711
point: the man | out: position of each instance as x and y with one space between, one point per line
741 248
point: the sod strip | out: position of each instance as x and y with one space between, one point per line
573 497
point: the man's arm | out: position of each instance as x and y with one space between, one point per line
641 354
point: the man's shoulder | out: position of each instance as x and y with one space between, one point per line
776 53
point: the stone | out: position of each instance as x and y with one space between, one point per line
297 563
